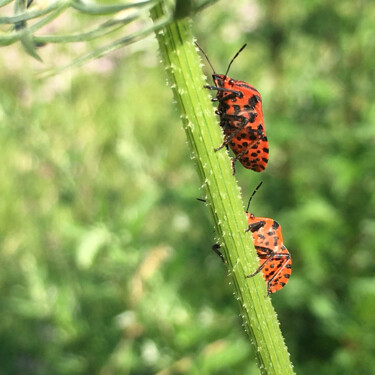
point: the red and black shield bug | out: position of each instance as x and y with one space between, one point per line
241 118
275 260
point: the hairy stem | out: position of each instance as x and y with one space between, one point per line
222 193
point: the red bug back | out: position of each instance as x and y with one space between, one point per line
247 90
242 116
276 263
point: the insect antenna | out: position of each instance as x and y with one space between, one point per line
234 57
204 54
251 196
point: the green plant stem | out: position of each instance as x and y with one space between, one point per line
222 192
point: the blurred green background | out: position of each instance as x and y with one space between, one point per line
106 266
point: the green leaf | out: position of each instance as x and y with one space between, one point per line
25 35
29 45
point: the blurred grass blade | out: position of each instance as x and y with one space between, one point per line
19 7
28 15
48 18
29 45
8 38
80 37
12 37
126 14
99 52
120 42
26 36
99 31
95 9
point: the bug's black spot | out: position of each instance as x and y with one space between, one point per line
245 144
265 160
288 266
236 109
254 154
275 239
246 85
275 225
266 150
272 265
286 275
282 284
252 117
256 226
223 107
261 236
253 101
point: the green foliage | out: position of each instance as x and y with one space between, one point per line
105 253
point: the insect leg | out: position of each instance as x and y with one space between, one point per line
235 92
244 122
278 255
269 256
216 248
239 156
